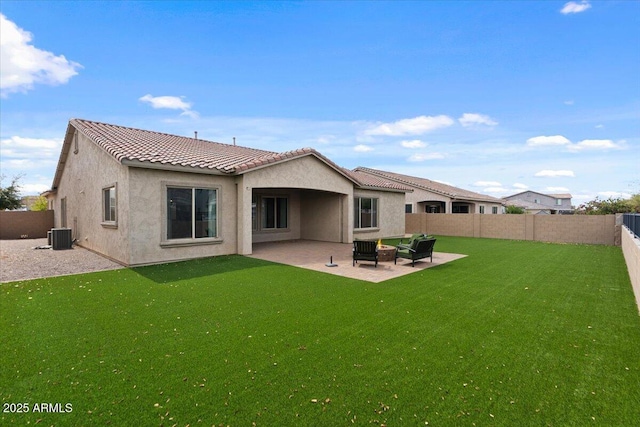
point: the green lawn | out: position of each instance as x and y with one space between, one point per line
517 333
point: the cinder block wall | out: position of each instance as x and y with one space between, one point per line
25 224
631 252
589 229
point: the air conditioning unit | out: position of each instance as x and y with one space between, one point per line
61 238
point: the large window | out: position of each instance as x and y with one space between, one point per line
109 205
274 212
191 213
366 212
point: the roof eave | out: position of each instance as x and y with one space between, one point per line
390 190
170 167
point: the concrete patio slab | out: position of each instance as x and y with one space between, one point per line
314 255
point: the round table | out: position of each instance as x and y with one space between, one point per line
386 253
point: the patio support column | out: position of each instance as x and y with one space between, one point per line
347 218
243 217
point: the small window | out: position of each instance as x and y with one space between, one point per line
75 142
559 202
366 212
494 210
481 209
408 208
109 205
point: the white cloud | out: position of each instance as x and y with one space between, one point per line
361 148
613 194
594 144
569 102
554 173
415 143
497 190
34 188
558 189
471 119
415 126
575 7
539 141
23 65
171 103
421 157
487 184
520 186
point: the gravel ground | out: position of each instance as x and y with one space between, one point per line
20 261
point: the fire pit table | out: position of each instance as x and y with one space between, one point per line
386 253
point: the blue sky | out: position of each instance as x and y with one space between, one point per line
492 96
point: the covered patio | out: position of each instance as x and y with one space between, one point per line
313 255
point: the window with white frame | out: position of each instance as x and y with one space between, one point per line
408 208
558 202
192 213
481 209
109 205
366 212
494 210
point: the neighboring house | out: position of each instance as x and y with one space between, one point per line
538 203
141 197
434 197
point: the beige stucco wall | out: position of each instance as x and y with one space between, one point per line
418 195
148 223
391 216
85 175
631 252
320 201
322 216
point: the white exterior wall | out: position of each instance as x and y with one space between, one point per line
85 174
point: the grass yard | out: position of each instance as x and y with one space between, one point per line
517 333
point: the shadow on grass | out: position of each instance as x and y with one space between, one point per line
197 268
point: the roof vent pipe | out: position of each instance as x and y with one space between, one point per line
196 134
234 140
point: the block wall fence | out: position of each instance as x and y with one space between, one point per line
25 224
587 229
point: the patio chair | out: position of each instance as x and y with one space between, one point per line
412 239
421 248
365 250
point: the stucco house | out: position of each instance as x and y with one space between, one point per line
141 197
435 197
539 203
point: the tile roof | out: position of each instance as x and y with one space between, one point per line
133 146
125 143
429 185
373 181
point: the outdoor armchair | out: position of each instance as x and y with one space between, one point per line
421 248
412 239
365 250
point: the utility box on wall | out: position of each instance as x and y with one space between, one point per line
61 238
